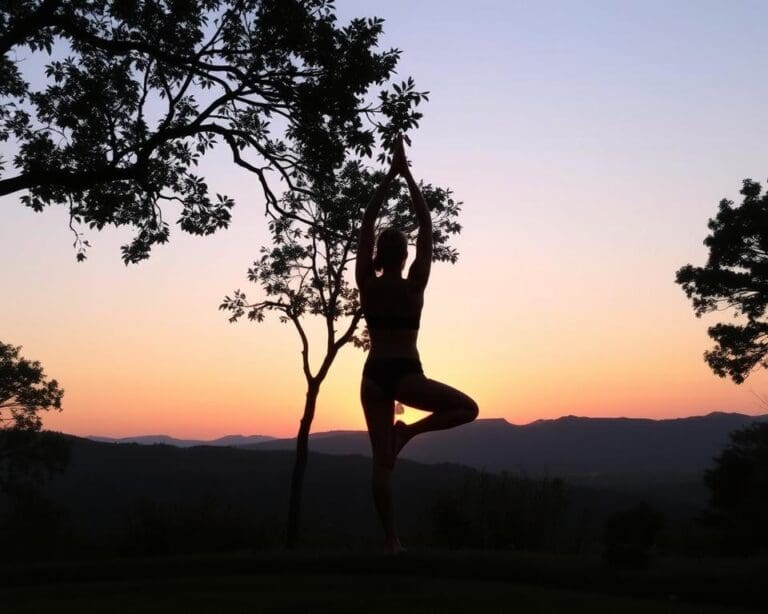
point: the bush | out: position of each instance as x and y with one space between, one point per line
738 484
499 512
630 535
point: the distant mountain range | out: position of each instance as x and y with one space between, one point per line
229 440
568 445
594 451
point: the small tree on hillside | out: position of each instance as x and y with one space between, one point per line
735 277
304 273
135 92
738 485
24 394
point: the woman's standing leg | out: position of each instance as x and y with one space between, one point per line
379 414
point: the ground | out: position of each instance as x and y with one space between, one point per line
346 582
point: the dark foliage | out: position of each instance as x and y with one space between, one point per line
136 91
735 277
118 499
208 524
24 393
738 484
31 523
157 499
28 457
500 512
630 535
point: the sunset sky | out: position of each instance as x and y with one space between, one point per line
589 141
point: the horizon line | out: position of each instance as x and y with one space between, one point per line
489 419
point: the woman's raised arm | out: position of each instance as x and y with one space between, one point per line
364 261
419 271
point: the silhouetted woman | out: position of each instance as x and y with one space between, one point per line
392 308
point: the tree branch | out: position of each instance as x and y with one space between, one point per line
123 47
316 273
68 179
21 30
344 339
304 348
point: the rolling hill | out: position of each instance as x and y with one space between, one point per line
598 450
229 440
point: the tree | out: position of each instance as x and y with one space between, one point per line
137 91
24 393
304 272
738 485
735 277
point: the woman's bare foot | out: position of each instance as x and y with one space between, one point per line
400 437
393 546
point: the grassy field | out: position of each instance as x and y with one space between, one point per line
350 582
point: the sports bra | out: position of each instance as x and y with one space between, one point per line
396 322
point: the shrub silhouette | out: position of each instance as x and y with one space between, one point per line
629 536
499 512
738 484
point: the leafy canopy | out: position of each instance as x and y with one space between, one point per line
24 391
735 277
135 92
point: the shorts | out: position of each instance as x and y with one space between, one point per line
386 373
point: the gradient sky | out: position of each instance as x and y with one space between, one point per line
590 143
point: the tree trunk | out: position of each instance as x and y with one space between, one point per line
299 465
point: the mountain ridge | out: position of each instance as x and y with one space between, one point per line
163 438
578 448
586 450
227 440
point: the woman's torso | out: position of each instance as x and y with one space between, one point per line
392 308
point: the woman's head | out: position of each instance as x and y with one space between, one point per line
391 250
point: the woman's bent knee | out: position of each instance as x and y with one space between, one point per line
472 410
